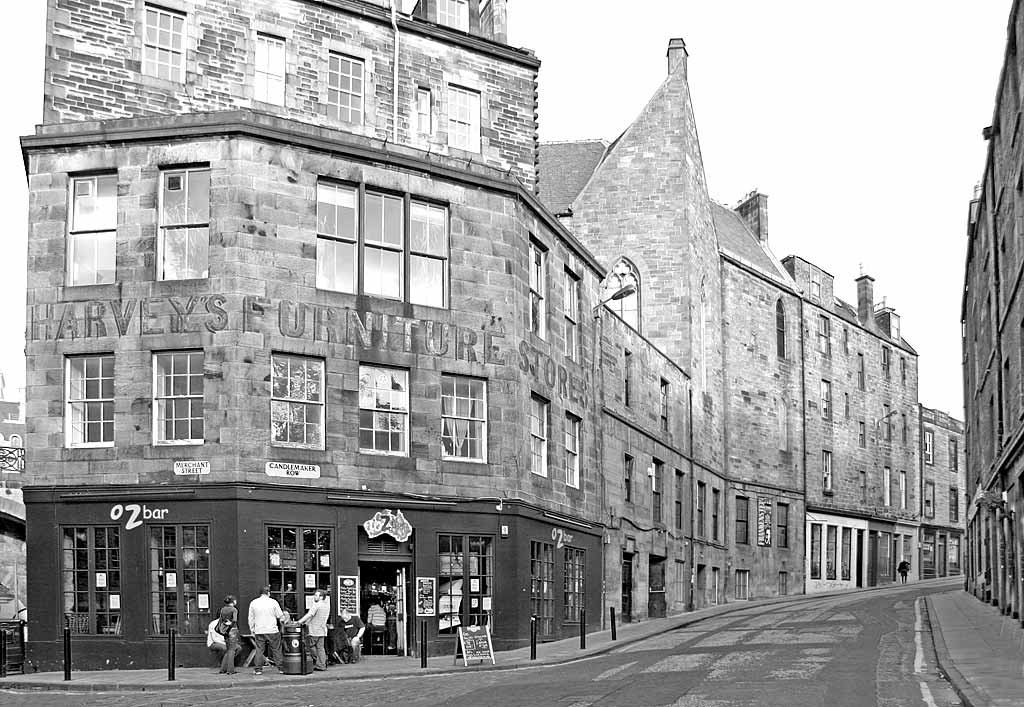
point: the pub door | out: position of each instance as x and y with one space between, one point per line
627 587
860 558
656 587
382 603
872 558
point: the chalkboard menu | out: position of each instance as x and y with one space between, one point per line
764 521
474 644
348 594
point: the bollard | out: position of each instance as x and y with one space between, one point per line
67 647
533 637
3 654
611 610
170 654
423 644
304 658
583 628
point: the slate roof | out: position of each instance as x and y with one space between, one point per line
565 168
737 241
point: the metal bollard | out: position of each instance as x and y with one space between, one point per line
533 637
67 647
611 610
583 628
170 654
423 644
3 654
306 645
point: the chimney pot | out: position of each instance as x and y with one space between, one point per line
677 55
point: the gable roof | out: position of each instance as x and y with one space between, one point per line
565 168
737 241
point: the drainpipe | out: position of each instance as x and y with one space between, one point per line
689 450
803 429
394 89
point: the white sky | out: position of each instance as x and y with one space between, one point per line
861 121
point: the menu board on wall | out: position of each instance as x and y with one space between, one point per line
764 521
348 593
426 596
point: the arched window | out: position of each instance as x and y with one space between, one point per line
780 329
623 274
15 440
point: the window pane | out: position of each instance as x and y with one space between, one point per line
335 265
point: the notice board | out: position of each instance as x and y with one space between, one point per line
474 644
348 594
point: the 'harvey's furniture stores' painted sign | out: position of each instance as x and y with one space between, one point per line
297 320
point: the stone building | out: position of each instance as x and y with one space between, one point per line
296 318
942 494
993 371
12 508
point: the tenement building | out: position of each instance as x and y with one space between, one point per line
993 341
942 493
296 318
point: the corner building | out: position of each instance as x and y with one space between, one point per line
292 322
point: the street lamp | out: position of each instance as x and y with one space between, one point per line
618 284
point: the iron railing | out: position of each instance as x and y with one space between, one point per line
12 459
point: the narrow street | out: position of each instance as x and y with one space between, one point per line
872 648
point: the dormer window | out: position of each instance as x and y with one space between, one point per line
453 13
894 326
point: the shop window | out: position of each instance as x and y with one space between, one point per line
344 88
463 418
92 230
742 520
299 561
465 581
575 572
571 308
91 579
297 401
542 573
163 54
539 435
184 243
383 410
830 552
782 525
742 584
847 549
179 578
572 450
90 401
178 397
815 551
538 289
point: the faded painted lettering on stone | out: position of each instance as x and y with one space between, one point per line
557 380
294 320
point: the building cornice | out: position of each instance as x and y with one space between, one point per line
261 126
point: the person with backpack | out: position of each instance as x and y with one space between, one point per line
903 568
226 627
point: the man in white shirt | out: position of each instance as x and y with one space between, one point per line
215 642
317 617
264 613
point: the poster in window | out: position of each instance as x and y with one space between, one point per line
171 580
310 580
101 580
204 601
115 601
764 521
325 561
474 584
426 596
487 604
275 559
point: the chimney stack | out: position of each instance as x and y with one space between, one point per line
677 55
865 299
754 210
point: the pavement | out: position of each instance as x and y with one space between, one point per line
980 651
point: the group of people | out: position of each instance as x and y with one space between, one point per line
265 616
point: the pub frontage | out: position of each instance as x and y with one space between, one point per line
134 562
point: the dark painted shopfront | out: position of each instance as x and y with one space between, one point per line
882 551
129 564
940 552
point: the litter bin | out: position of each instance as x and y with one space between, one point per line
291 644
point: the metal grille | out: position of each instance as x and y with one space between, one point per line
12 459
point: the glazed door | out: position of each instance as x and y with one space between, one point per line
400 608
627 588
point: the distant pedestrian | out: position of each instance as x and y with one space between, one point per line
317 618
227 626
264 614
903 568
